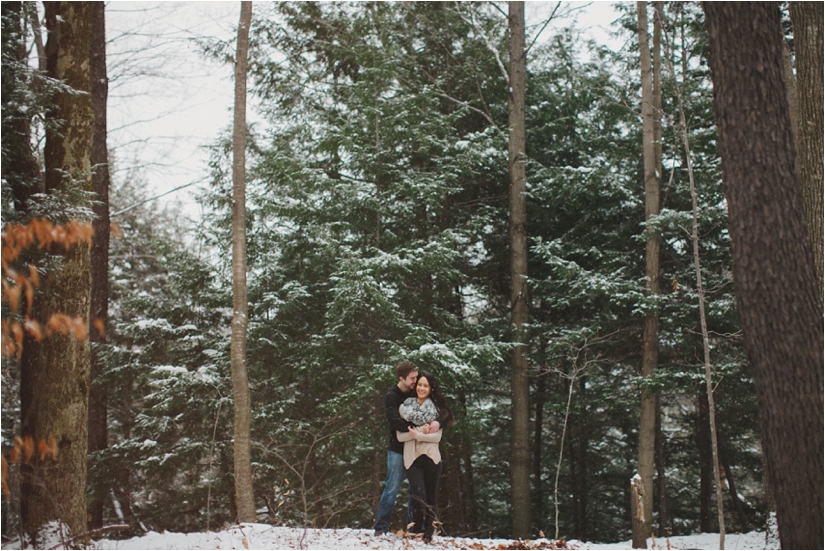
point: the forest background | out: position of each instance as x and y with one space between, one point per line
377 230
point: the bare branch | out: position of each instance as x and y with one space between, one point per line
486 40
546 22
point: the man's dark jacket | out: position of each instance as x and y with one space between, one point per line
394 398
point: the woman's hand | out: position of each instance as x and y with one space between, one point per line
413 430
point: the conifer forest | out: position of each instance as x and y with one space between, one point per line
610 257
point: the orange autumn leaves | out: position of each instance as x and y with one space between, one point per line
18 288
19 284
23 450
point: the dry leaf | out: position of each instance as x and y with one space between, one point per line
5 476
28 447
101 327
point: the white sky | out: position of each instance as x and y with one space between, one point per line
166 101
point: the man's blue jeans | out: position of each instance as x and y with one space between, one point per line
395 477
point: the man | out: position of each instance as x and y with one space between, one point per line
407 374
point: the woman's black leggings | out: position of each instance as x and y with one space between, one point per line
423 476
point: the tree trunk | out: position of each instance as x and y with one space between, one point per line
659 456
807 18
637 512
538 445
378 460
700 291
578 467
650 344
468 495
790 86
771 528
55 383
705 462
738 505
778 299
99 306
520 451
661 479
244 493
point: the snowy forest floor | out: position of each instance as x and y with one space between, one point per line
263 536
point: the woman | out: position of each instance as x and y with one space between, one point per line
422 459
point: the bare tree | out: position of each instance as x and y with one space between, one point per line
520 383
700 290
244 493
99 254
778 300
650 342
580 360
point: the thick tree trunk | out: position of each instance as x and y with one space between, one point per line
650 343
55 384
807 18
244 493
777 297
99 307
790 86
520 451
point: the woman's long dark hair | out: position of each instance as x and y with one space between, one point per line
444 412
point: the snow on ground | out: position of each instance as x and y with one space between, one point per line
263 536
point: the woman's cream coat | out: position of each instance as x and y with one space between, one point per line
420 444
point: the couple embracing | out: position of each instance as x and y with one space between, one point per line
416 412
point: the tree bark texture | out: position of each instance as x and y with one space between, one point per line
520 443
790 86
650 342
703 446
664 525
777 297
99 306
539 399
244 493
637 512
807 19
55 384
